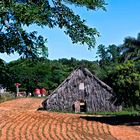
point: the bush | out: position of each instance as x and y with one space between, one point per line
6 96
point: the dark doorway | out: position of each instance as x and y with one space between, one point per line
83 107
79 106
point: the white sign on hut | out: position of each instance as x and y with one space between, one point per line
81 86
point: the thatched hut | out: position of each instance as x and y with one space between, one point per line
81 91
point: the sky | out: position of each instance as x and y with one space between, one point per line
121 19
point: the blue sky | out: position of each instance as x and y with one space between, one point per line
121 19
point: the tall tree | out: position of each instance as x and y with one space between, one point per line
114 52
15 14
103 54
131 48
125 80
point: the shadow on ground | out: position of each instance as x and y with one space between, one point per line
115 120
40 109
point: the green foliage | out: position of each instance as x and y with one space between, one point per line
44 73
15 14
120 68
102 52
125 80
113 52
121 113
108 54
130 48
4 74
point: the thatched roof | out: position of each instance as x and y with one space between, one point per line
88 73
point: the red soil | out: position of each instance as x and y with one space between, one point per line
20 120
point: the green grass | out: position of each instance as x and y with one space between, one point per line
121 113
124 112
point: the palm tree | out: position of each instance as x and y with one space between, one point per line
130 49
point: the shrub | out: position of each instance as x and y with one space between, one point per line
6 96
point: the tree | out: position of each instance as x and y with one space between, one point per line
102 52
44 73
131 48
3 72
120 67
15 14
108 54
114 52
125 80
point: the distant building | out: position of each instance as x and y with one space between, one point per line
81 91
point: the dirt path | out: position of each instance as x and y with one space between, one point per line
20 120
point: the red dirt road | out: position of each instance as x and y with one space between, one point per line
20 120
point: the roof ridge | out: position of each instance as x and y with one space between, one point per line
100 81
